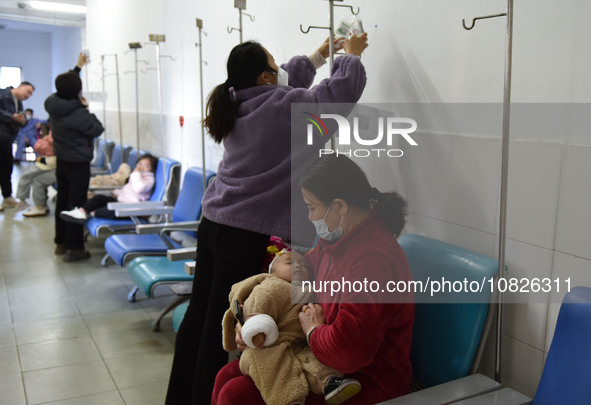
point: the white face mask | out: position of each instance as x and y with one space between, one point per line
322 228
282 77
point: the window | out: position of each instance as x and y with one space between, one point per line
10 76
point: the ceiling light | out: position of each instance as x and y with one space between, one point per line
58 7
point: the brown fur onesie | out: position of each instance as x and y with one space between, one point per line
286 370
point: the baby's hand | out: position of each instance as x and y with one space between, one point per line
259 340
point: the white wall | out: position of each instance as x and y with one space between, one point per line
43 52
31 51
418 52
65 46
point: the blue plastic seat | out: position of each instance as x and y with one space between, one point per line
121 248
149 272
567 372
566 378
101 155
447 328
178 315
133 156
165 180
119 155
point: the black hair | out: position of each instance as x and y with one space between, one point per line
30 109
68 85
245 63
25 83
44 128
153 161
330 177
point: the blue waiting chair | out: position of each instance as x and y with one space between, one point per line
165 186
448 331
154 239
102 155
178 315
133 156
566 378
567 372
149 272
119 155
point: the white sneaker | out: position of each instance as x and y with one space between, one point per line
9 202
76 215
36 211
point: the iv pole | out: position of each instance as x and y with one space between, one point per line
104 100
201 63
155 39
240 5
135 46
504 170
330 28
118 97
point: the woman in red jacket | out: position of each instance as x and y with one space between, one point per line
357 326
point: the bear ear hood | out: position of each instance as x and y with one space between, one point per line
60 107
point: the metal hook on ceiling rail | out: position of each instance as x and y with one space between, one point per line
312 26
481 18
249 16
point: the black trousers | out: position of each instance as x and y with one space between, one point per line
6 163
72 190
98 204
225 255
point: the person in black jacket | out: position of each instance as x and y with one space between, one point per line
74 129
11 121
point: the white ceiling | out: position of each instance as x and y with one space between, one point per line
12 14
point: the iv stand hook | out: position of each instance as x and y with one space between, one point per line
481 18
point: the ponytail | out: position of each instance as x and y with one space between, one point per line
221 111
245 63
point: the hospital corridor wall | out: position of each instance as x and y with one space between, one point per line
418 54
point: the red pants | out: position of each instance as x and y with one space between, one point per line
233 388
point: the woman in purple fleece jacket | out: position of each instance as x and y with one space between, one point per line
249 199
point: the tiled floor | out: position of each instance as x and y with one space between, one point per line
67 333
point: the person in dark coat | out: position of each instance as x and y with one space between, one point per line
74 129
11 121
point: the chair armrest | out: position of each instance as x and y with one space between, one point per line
121 228
190 268
181 254
467 387
505 396
143 212
144 204
166 227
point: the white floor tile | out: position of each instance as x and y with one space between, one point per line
104 398
11 387
67 382
56 353
51 329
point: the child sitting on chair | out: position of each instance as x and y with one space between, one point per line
278 358
138 188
